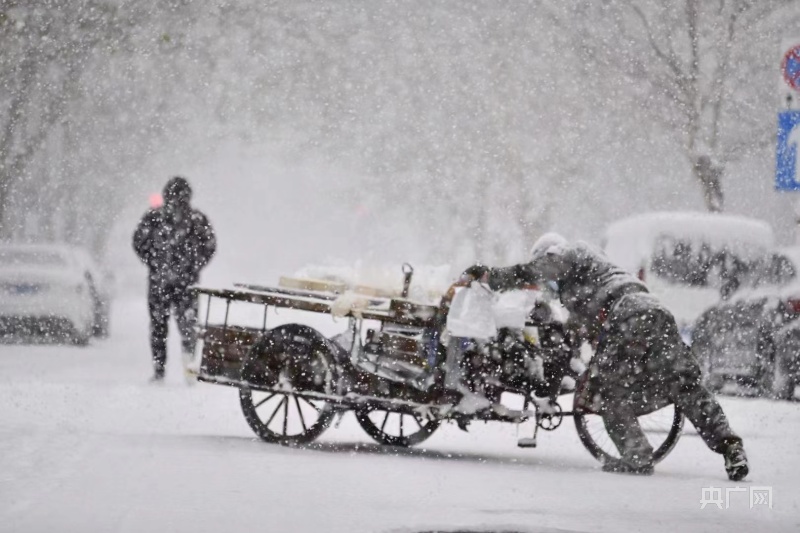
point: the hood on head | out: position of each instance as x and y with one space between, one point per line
177 192
545 244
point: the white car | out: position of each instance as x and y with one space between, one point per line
691 261
51 290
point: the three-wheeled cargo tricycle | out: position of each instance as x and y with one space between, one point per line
388 368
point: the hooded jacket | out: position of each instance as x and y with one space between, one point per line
175 241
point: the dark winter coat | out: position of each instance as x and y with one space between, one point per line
175 244
641 363
588 284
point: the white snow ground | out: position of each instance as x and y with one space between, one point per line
86 444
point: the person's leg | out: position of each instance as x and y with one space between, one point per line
683 377
620 365
158 305
185 302
623 427
705 414
685 388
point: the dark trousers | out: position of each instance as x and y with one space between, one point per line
162 301
644 365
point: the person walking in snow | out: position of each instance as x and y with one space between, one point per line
175 241
641 363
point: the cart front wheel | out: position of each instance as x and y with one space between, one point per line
663 428
283 365
395 429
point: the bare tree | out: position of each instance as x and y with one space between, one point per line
45 50
682 58
68 128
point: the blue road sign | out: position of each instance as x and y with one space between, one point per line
787 168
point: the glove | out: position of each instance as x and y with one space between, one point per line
475 272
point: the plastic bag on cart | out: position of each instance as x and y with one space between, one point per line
472 313
511 309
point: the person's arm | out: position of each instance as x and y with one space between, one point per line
208 241
142 242
548 267
521 276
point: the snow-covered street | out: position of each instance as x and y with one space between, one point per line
483 191
86 444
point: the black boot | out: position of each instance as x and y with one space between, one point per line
619 466
736 462
158 374
463 422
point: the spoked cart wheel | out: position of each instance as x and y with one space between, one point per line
282 365
662 427
394 428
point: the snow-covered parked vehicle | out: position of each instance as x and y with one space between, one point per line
753 338
55 291
389 368
691 261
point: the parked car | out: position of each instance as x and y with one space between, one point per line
100 283
52 290
691 261
753 338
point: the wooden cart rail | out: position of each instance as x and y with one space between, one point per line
400 312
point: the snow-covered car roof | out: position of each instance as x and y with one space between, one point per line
793 253
632 239
789 291
35 254
45 256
